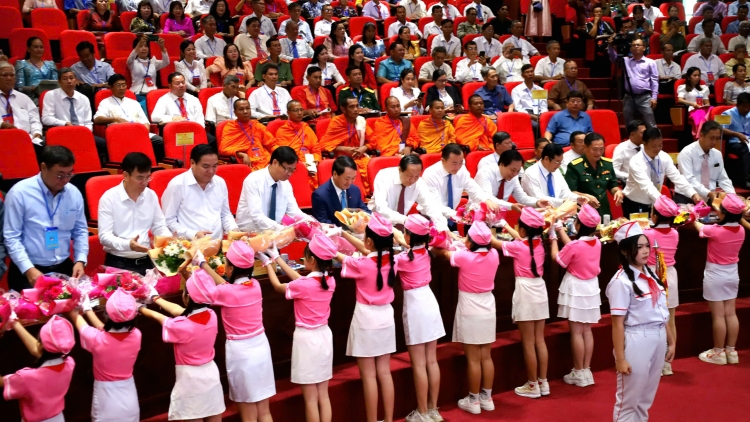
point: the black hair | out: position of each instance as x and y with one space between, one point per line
268 66
115 79
315 58
251 21
173 75
500 137
332 34
63 71
531 233
85 45
743 98
416 240
313 69
351 69
742 6
651 133
629 249
382 243
199 151
633 126
150 7
576 94
526 67
574 134
439 49
324 265
136 161
404 73
172 7
46 356
451 149
689 85
284 155
184 45
227 62
446 21
551 151
509 156
729 217
240 100
487 25
393 46
137 41
192 306
365 28
351 64
437 6
469 43
341 163
539 141
438 73
591 138
92 9
57 154
344 101
239 272
710 125
470 9
109 324
474 246
408 160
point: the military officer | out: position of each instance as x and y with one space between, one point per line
539 145
285 68
594 175
366 96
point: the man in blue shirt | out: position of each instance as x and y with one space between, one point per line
565 122
43 214
734 26
389 70
738 135
494 95
89 70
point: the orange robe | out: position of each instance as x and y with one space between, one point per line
302 139
342 134
311 101
475 132
387 135
252 138
432 138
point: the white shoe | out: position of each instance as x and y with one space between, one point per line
667 369
415 416
576 378
543 388
733 358
435 415
530 390
467 405
711 357
487 405
589 376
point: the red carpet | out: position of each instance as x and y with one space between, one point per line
696 392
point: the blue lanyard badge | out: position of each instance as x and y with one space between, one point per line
572 87
250 137
656 170
358 97
95 74
554 65
127 116
51 236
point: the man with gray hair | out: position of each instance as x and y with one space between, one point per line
220 106
208 45
17 109
711 66
741 38
717 47
294 47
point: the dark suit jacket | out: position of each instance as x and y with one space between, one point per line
325 202
432 94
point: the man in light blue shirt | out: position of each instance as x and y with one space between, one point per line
43 214
89 70
734 26
571 119
737 135
389 70
732 10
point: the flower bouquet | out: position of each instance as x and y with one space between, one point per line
106 283
167 255
354 219
53 294
607 233
5 312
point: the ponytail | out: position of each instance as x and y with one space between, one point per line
324 265
531 233
383 244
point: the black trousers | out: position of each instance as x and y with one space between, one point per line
138 265
17 281
681 199
101 149
157 142
632 207
740 149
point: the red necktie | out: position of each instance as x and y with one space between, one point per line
653 289
377 7
8 117
501 190
276 109
183 111
261 54
401 205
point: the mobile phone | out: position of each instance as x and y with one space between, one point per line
421 95
153 38
481 54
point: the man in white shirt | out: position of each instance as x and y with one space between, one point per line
195 8
433 28
650 13
196 202
446 40
294 46
501 142
646 176
323 27
267 27
17 109
470 68
523 101
711 66
376 10
501 180
220 106
127 213
415 9
120 109
269 99
527 50
175 106
252 44
450 11
267 195
625 150
209 45
668 69
577 148
543 181
550 68
397 189
696 44
295 10
438 62
509 65
488 43
741 38
402 22
484 14
703 166
65 106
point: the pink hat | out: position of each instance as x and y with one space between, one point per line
588 216
629 229
666 207
201 287
241 255
323 247
733 204
531 217
121 306
380 225
417 224
57 335
480 233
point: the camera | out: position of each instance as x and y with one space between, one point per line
622 41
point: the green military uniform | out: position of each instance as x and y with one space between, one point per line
285 70
529 163
582 177
366 97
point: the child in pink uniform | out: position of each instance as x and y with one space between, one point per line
662 215
423 325
372 335
248 354
721 279
41 390
475 323
579 299
114 346
197 392
312 347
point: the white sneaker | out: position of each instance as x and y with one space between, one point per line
589 376
415 416
667 369
467 405
487 405
711 357
733 358
530 390
543 388
576 378
435 415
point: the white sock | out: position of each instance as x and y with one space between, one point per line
729 349
473 397
718 350
486 394
542 380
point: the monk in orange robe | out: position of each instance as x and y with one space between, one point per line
348 134
299 136
391 130
433 133
247 140
314 98
475 130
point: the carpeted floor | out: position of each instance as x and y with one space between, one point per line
697 392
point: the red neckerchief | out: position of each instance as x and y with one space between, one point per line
385 260
201 318
120 336
733 229
663 230
590 242
536 242
652 287
57 368
420 251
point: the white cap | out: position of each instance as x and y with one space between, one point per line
629 229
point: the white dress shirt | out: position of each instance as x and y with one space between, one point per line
404 96
449 11
387 189
650 13
139 69
56 109
396 26
247 47
693 95
189 209
436 179
624 151
509 70
197 71
646 176
304 30
739 39
267 27
486 12
261 101
431 28
453 46
717 47
255 200
220 108
466 73
690 162
206 47
491 160
323 27
488 178
121 219
126 108
303 49
547 69
168 106
522 100
427 69
713 64
25 114
534 183
491 48
198 7
671 70
414 8
371 10
329 73
526 48
568 156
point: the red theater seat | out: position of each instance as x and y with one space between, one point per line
378 163
81 142
172 150
518 126
234 175
95 188
160 180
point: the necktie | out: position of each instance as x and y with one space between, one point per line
450 190
401 205
479 12
183 111
705 173
8 108
294 50
276 109
501 190
638 149
343 200
377 7
272 206
550 186
261 54
73 116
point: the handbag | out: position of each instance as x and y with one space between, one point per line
537 5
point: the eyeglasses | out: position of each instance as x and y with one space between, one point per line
143 179
65 176
289 170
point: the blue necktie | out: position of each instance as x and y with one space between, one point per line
479 12
343 200
550 186
272 207
294 50
450 190
73 116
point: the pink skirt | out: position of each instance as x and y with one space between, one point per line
539 24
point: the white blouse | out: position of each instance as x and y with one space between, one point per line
196 72
330 74
404 96
732 91
693 95
140 70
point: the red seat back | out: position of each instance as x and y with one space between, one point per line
160 179
609 150
118 44
11 20
207 93
357 24
606 124
51 21
664 8
171 43
81 17
234 175
544 119
468 90
298 69
18 160
419 62
80 141
518 126
325 171
684 59
69 40
95 257
124 138
693 22
152 97
171 130
120 65
725 22
341 64
716 111
95 188
385 92
378 163
18 38
274 125
719 89
725 39
654 43
301 186
215 78
164 73
321 127
472 161
13 4
430 159
126 18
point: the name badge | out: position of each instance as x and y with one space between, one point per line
51 238
149 81
256 151
196 80
8 118
699 101
327 81
710 76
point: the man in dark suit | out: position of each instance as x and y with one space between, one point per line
338 193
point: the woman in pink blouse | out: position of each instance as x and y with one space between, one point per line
177 22
338 42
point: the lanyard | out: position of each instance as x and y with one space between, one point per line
123 110
483 122
249 137
517 42
183 110
350 132
667 69
395 126
572 87
554 65
442 133
325 73
358 97
657 169
192 69
300 135
51 214
95 74
317 98
208 43
147 67
510 65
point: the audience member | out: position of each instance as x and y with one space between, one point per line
708 16
312 9
338 42
34 69
101 20
736 87
734 27
191 68
501 180
390 69
509 65
715 46
209 45
433 28
315 100
673 35
710 65
230 63
373 48
29 5
285 78
294 46
224 22
501 142
470 68
145 20
719 9
143 67
175 106
220 106
487 42
331 77
695 96
376 10
434 133
449 95
338 193
502 22
577 148
246 139
741 38
475 130
266 26
177 22
300 137
358 59
323 27
572 119
669 70
252 43
428 69
737 137
539 144
591 175
390 132
446 40
524 101
303 29
702 165
18 111
641 84
470 25
484 14
550 68
450 11
368 101
625 150
527 50
415 9
344 11
740 57
560 91
495 97
269 99
411 47
89 70
542 180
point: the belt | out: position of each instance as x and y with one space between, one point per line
136 261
